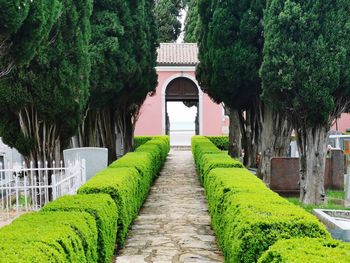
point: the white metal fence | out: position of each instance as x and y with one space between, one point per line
28 188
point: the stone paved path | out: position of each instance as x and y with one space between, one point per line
174 224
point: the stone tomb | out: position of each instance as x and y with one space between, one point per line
337 222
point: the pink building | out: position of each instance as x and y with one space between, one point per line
342 123
177 83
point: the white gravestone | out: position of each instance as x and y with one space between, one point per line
96 158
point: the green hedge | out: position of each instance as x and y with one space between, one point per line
50 237
158 147
207 156
104 211
124 186
247 217
83 228
128 180
307 250
202 145
209 162
140 140
143 163
220 141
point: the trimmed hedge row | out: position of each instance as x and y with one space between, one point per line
104 211
247 217
139 140
307 250
128 180
207 157
220 141
83 227
50 237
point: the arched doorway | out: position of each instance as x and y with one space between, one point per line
182 99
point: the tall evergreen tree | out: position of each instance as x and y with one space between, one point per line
230 53
192 22
24 25
167 14
230 46
123 50
306 74
41 109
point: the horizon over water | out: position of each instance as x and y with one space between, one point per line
181 133
182 126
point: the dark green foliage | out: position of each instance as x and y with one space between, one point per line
52 236
220 141
192 22
306 58
124 55
247 217
41 103
24 27
230 45
105 213
167 14
303 250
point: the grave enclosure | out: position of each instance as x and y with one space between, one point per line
285 173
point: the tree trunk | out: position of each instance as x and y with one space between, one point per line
275 139
312 150
46 137
250 129
235 136
98 130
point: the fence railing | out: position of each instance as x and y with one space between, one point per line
30 188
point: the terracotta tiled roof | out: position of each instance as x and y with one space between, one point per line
177 54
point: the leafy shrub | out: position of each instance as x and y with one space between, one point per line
216 160
104 211
50 237
220 141
128 180
142 162
156 155
158 147
202 145
140 140
34 252
303 250
124 187
247 217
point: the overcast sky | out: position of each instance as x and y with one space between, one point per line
177 112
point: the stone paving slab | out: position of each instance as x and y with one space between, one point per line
174 224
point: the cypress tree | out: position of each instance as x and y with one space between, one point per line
305 73
41 110
167 13
123 51
230 52
192 22
24 25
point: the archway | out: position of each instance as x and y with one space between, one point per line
182 119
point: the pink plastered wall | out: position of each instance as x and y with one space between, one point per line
343 123
151 117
